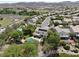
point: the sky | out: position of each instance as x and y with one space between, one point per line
13 1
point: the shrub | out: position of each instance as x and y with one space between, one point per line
77 46
67 47
75 51
62 43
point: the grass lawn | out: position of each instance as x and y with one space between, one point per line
5 22
66 55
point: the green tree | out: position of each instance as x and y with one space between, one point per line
16 35
30 50
56 23
53 39
25 50
7 11
31 27
12 51
29 30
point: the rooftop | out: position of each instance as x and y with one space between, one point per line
75 28
64 30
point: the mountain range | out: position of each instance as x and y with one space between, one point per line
38 4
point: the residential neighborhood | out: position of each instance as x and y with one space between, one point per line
39 29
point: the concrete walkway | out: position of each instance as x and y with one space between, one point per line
40 52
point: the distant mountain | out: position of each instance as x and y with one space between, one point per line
38 4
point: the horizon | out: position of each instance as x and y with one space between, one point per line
46 1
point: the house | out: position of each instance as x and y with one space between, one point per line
41 31
68 20
40 16
75 29
72 42
33 21
46 22
63 32
57 21
75 19
67 16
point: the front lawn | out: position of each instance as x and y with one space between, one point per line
5 22
67 55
